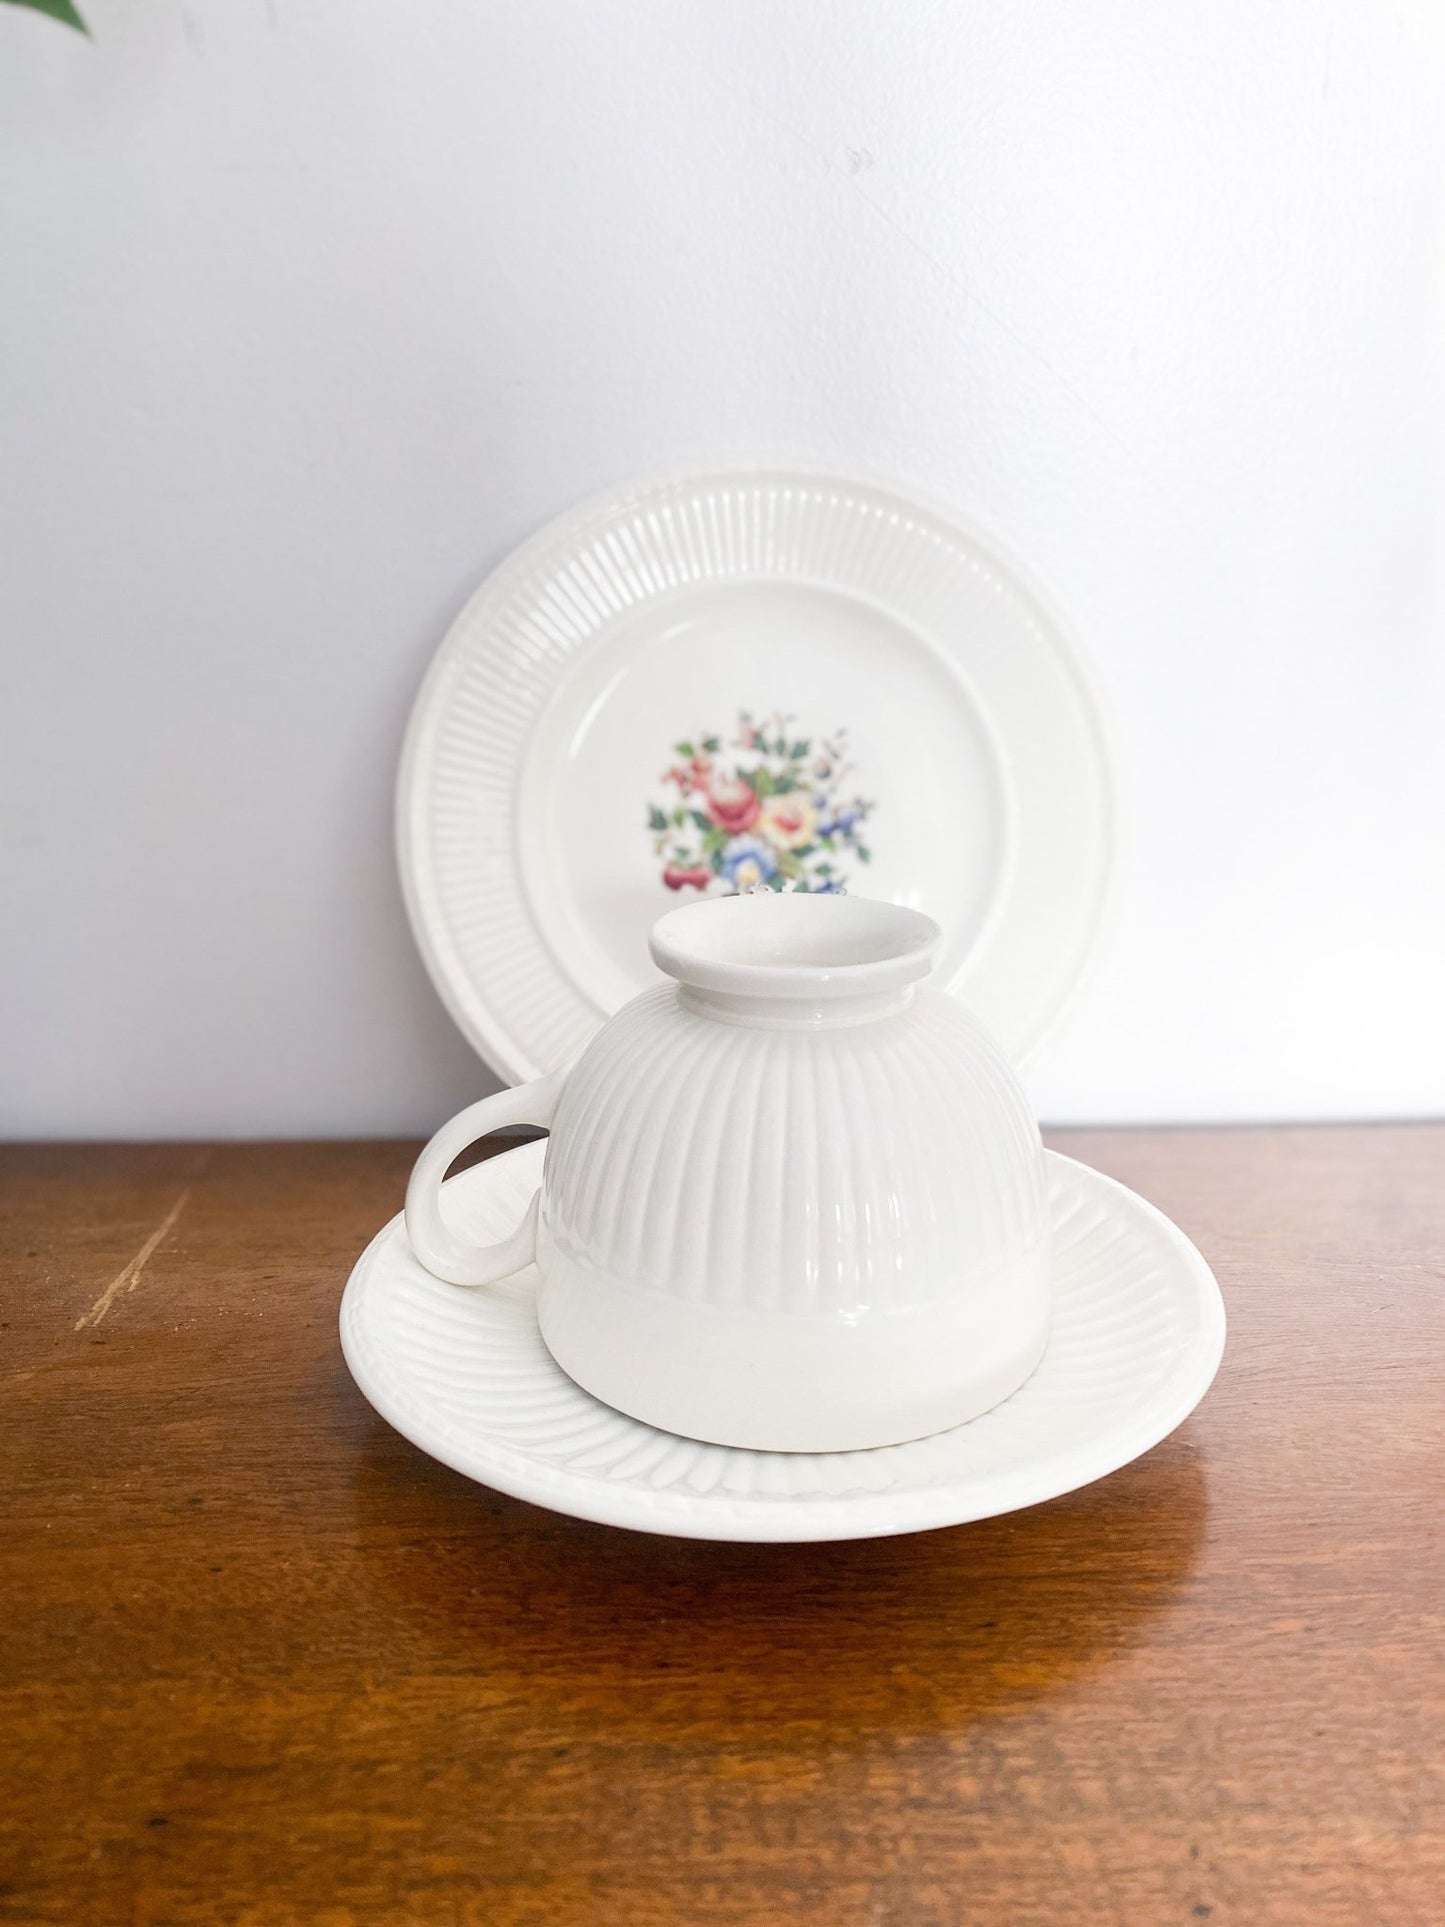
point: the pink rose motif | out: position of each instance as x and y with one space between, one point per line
732 804
678 876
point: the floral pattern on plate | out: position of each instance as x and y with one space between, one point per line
771 808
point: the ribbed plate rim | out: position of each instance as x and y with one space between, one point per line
485 1028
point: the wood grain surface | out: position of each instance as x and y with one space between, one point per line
265 1663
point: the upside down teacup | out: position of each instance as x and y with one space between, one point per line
793 1198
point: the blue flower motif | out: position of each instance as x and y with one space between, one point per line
841 821
746 861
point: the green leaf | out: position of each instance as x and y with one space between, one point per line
700 820
799 750
712 744
58 10
655 818
788 864
684 749
762 781
863 853
713 839
785 785
776 883
679 817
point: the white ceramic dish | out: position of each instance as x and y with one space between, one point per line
914 718
1138 1329
794 1199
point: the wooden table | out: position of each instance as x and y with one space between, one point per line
264 1663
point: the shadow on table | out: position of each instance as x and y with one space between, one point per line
930 1630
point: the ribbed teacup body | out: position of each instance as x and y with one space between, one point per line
792 1201
791 1227
857 1169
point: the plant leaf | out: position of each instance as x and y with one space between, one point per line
655 818
58 10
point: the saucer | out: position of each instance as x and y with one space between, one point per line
698 683
1138 1329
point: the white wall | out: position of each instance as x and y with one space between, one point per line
309 312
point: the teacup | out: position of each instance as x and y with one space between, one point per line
793 1199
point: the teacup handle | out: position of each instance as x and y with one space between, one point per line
443 1253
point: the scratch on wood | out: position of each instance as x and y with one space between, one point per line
128 1277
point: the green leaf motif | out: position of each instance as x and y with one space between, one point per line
799 750
712 744
655 818
679 817
762 781
700 820
685 749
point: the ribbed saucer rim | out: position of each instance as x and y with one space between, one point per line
817 1517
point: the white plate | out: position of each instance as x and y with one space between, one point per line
1137 1335
968 757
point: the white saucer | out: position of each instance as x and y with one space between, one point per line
917 699
1137 1336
